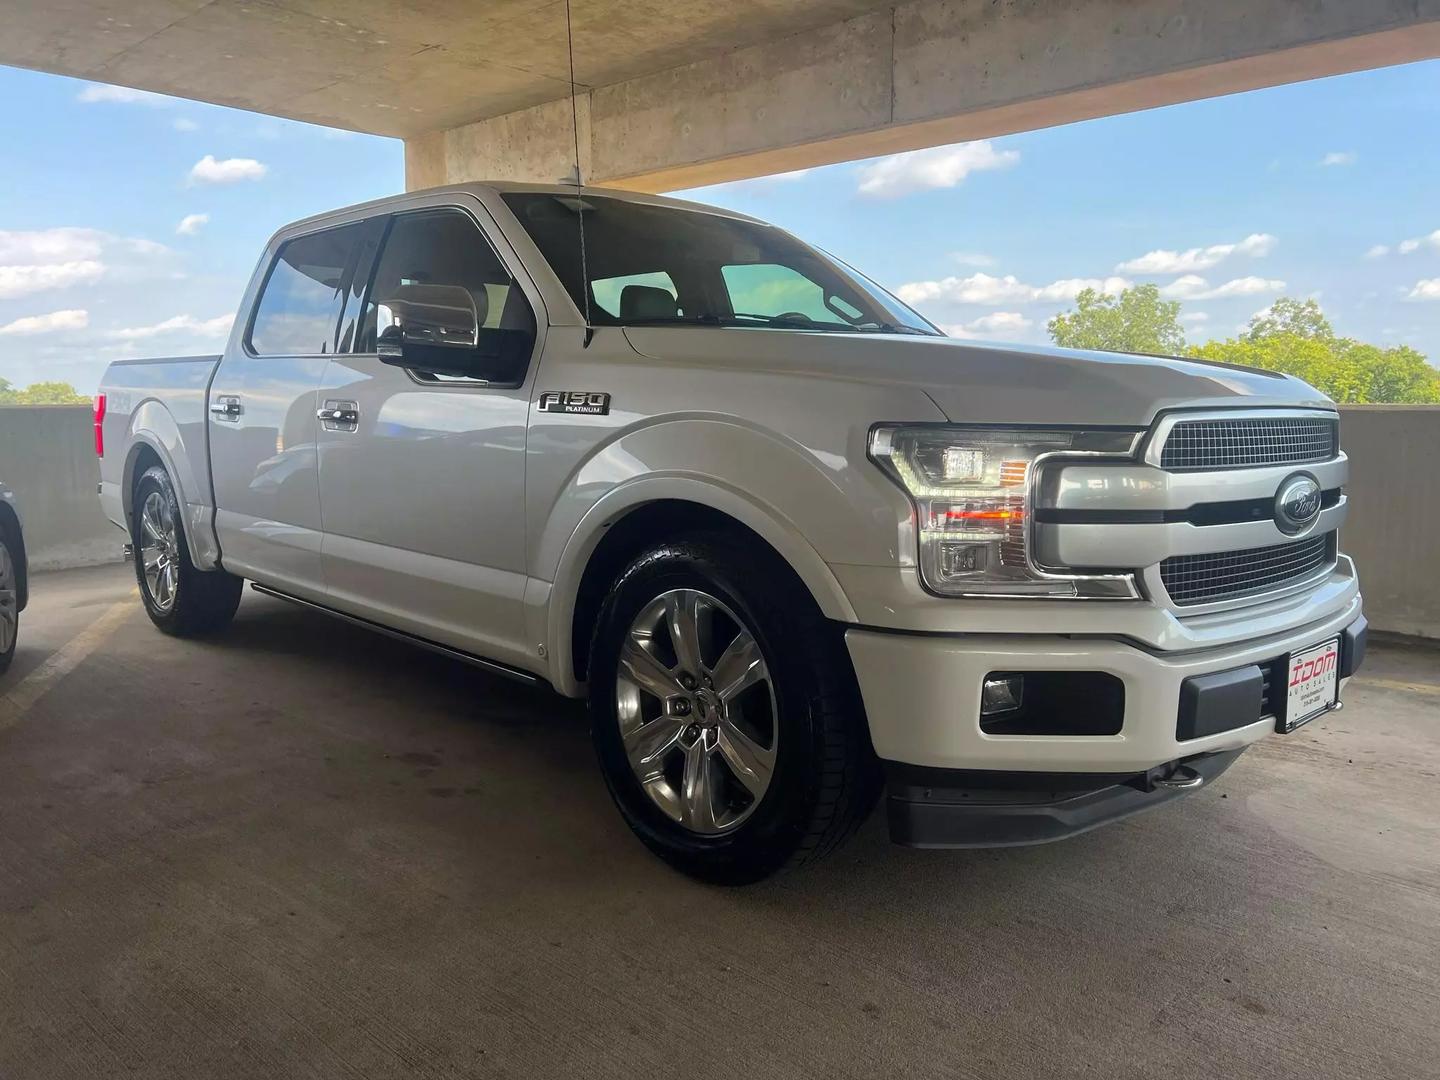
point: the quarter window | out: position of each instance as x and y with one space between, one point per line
300 303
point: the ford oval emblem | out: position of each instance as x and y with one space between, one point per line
1297 505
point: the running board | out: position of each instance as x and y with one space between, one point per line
492 666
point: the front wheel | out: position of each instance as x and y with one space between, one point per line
180 599
725 713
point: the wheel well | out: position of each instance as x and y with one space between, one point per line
628 538
141 458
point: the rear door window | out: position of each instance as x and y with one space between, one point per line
299 306
439 277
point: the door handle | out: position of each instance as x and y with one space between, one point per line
339 416
226 408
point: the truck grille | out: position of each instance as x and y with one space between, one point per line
1240 443
1225 575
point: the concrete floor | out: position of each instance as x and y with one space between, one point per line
303 850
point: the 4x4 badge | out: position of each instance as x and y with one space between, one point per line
588 402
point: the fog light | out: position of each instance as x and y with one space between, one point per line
1001 694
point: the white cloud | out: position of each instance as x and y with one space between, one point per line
1195 317
184 123
972 258
936 167
1379 251
50 245
24 280
1426 289
1339 157
123 95
215 327
232 170
36 260
190 224
999 324
1164 261
70 319
1408 247
1194 287
986 289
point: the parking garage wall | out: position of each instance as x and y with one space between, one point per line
47 458
1393 530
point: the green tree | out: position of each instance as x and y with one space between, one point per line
1303 318
1136 321
1295 338
42 393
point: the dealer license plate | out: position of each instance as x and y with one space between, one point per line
1314 684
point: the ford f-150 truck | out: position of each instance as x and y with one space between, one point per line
794 544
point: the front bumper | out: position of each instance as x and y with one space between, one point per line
942 808
922 696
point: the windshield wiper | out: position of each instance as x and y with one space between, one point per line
892 328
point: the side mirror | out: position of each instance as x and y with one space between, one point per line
497 355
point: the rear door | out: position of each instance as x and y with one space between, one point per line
422 477
262 412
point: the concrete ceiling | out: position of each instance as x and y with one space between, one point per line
390 67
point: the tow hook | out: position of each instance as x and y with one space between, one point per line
1182 777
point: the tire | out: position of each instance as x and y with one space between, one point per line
9 604
180 599
806 715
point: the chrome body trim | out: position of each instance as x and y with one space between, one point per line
1148 487
1133 545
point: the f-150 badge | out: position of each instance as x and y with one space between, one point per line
588 402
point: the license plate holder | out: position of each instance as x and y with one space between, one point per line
1312 681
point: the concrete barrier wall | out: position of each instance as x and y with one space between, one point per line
47 457
1393 531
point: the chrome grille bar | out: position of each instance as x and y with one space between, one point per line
1228 575
1241 443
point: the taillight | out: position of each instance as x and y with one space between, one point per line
100 425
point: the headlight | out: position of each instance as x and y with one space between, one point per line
973 495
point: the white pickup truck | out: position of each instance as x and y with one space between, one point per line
792 542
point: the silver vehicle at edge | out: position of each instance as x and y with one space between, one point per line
795 545
14 576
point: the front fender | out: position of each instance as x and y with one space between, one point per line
813 507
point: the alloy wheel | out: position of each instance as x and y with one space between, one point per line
697 711
159 550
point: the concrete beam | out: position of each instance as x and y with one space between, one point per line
923 74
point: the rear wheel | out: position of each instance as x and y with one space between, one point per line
179 598
725 713
9 605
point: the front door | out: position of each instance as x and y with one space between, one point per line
262 415
422 477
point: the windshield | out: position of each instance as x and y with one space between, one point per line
659 265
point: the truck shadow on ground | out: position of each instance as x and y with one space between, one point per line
485 726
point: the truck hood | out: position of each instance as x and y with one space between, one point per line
1021 384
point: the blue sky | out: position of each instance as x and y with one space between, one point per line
1225 204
